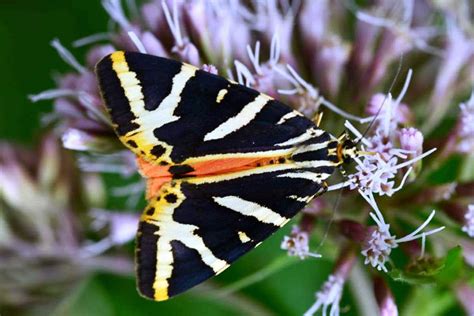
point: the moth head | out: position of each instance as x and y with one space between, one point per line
346 149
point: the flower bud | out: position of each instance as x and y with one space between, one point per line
97 53
411 139
384 297
76 139
153 45
187 53
297 244
210 68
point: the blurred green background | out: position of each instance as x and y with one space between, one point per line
28 62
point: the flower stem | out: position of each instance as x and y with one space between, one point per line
361 289
277 265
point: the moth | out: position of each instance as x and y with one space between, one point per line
226 166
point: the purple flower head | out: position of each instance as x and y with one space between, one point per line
43 224
316 56
122 228
270 19
330 293
380 242
466 126
329 296
411 139
96 53
378 104
211 25
297 244
210 68
468 227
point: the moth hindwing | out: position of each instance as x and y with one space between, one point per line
226 166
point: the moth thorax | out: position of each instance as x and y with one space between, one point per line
346 151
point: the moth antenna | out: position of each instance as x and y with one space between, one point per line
366 153
342 136
392 84
331 220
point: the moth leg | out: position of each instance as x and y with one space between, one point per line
317 118
343 172
324 189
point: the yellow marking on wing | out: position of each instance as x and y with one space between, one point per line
285 222
164 113
249 208
220 95
255 154
119 64
308 175
164 209
304 199
161 217
243 237
288 116
308 134
240 174
169 230
134 93
241 119
161 290
143 136
128 78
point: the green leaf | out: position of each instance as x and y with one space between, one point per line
89 298
402 276
429 301
126 301
453 266
429 270
467 169
259 275
291 290
421 271
448 171
107 294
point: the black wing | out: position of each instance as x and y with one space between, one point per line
195 228
171 112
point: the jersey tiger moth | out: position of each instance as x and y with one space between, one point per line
226 166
